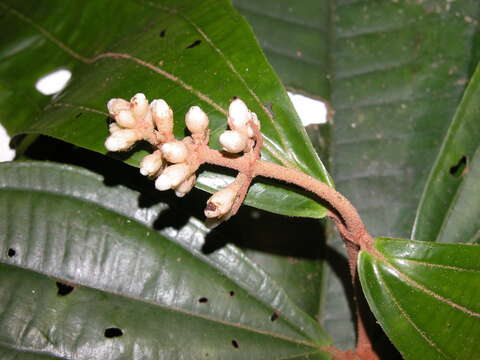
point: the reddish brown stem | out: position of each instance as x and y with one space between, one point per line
349 217
343 213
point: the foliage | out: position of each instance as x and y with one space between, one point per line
98 264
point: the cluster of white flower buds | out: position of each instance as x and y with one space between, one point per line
173 162
240 137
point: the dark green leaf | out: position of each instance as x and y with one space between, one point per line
450 207
425 296
294 36
187 52
169 300
400 71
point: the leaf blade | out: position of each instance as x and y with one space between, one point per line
447 209
187 75
38 188
423 296
298 48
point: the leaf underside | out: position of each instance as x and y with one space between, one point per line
400 71
450 205
167 298
425 296
166 49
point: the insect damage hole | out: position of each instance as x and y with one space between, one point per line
203 300
11 252
235 344
231 293
195 43
113 332
162 33
460 168
63 289
274 316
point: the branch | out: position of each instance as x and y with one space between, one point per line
175 162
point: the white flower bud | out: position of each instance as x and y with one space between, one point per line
151 164
122 139
238 115
116 105
172 176
233 141
196 120
139 106
162 116
185 187
113 127
175 152
125 119
221 202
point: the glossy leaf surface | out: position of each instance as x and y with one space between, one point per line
294 36
425 296
185 52
450 206
167 298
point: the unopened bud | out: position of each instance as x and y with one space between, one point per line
196 120
139 106
221 202
113 127
175 152
125 119
185 187
162 116
116 105
233 141
172 176
122 139
238 115
151 164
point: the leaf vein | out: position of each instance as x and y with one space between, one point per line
432 293
408 318
197 28
174 308
267 147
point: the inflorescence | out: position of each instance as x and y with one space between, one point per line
174 163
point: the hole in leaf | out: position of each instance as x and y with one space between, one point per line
113 332
78 115
231 293
53 82
274 316
195 43
235 344
11 252
203 300
460 168
63 289
162 33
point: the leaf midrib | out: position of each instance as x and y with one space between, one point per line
167 308
268 147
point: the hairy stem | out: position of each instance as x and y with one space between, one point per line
345 216
353 227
